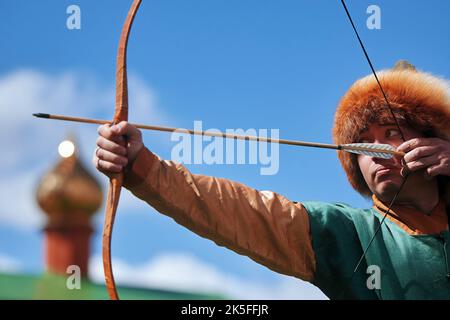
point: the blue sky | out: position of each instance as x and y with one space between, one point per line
232 64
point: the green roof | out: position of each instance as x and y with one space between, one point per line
53 287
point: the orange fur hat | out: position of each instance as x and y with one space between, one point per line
417 98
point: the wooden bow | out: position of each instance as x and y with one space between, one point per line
115 183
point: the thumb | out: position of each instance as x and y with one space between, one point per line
124 128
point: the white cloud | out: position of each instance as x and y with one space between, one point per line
184 272
9 264
29 144
19 207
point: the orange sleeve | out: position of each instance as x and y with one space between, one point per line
262 225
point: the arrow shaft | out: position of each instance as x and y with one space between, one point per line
195 132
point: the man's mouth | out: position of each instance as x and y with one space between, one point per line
382 171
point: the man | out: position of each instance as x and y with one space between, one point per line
323 242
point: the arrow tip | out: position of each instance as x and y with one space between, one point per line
41 115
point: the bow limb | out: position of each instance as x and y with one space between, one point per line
115 184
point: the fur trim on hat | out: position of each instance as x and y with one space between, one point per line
417 98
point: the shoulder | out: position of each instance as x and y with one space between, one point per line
332 211
332 220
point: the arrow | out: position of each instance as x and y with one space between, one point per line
384 151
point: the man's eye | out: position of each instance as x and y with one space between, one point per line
392 133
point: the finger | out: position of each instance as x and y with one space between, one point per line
108 156
421 152
106 131
422 163
106 167
438 169
414 143
111 146
427 175
124 128
109 167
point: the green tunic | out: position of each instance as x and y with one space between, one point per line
411 266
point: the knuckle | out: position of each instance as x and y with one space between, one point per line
417 142
419 152
115 158
99 141
416 165
115 148
412 143
112 148
120 150
102 129
123 160
109 166
409 157
412 166
116 168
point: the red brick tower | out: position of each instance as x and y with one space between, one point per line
69 195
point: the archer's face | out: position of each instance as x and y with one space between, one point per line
383 175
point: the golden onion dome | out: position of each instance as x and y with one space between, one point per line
68 193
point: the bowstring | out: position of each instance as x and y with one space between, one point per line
402 136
